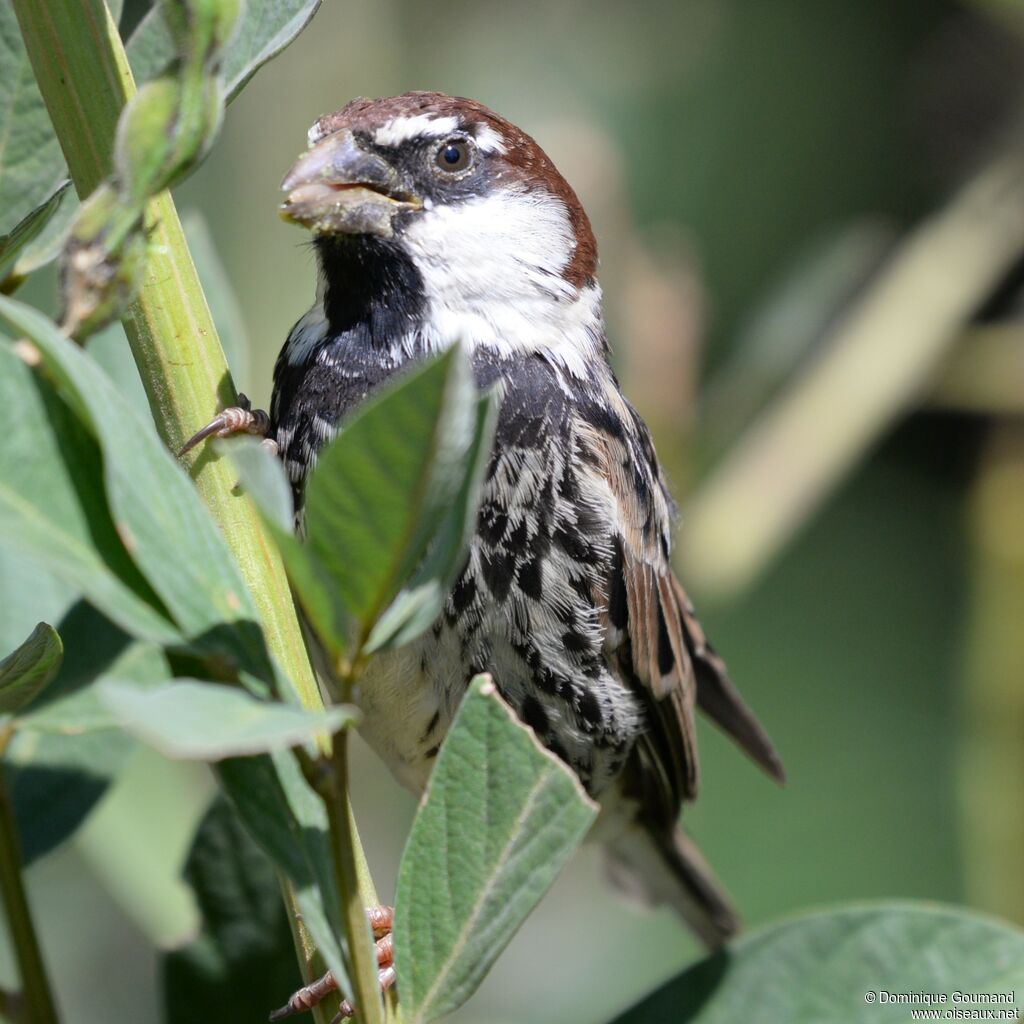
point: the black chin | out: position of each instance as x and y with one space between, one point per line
370 283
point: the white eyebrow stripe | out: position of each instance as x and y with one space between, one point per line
489 140
401 129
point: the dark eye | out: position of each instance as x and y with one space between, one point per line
453 156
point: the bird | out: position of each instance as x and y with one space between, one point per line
436 221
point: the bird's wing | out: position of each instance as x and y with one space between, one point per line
653 636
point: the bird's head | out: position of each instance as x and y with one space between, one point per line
469 209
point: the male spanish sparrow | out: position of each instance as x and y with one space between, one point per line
435 221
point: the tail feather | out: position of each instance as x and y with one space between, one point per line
667 867
719 699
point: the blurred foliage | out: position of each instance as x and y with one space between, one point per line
242 960
729 153
842 966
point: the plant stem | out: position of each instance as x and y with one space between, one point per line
84 77
36 1001
83 74
346 856
992 751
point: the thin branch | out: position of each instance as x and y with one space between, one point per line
36 1001
877 365
85 80
344 843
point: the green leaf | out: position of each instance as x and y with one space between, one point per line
420 602
500 818
287 819
265 28
137 839
26 672
382 488
80 709
46 246
158 513
243 962
113 355
196 721
32 167
56 777
56 781
28 594
262 476
53 508
25 232
841 965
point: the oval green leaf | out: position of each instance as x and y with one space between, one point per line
52 505
196 721
422 599
382 487
847 967
159 515
500 818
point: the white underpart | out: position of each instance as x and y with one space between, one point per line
418 126
492 273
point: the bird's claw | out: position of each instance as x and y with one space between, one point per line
236 419
385 978
310 995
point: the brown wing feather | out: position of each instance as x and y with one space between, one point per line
652 647
662 646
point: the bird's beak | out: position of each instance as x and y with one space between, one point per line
337 187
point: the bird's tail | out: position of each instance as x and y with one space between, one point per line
665 866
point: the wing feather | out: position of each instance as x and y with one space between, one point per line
660 645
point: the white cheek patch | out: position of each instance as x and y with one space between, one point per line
507 246
492 273
419 126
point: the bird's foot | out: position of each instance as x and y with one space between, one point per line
310 995
237 419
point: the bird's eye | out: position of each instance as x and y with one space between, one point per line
453 156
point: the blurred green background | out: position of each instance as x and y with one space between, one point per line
749 168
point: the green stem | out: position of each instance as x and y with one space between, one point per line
992 751
85 79
36 1001
347 855
83 74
